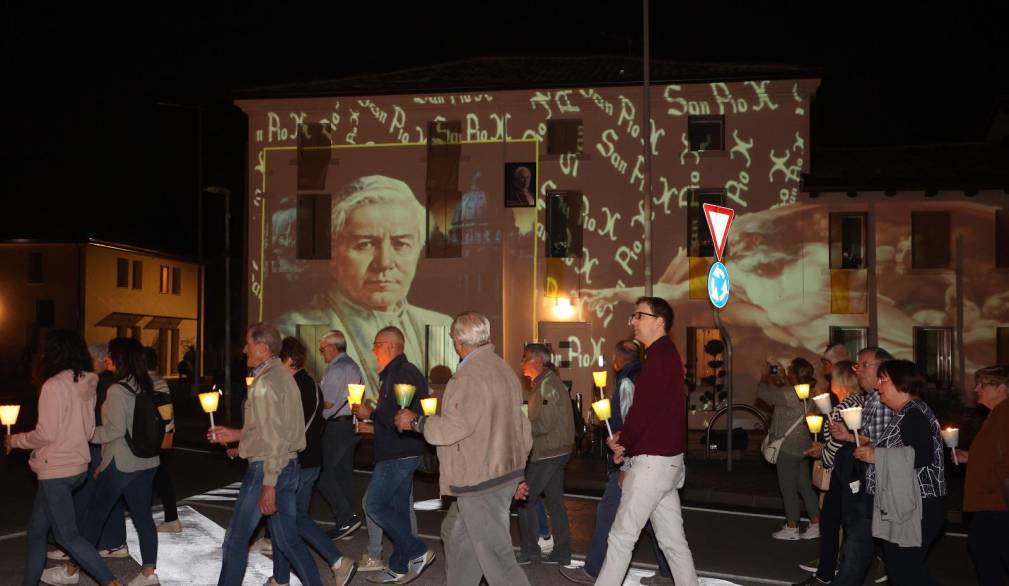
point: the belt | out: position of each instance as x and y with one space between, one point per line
340 418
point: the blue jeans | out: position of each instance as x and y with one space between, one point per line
606 512
307 529
375 532
283 527
541 515
136 489
859 545
54 510
114 532
389 505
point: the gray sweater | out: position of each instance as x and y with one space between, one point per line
117 419
787 410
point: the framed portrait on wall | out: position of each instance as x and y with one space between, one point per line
520 185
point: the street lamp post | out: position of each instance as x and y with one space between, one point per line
227 295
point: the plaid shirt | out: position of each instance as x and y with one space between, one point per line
932 477
876 418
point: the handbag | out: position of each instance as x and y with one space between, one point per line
821 476
770 448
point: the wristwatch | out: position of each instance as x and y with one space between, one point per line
415 424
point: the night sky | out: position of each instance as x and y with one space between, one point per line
87 150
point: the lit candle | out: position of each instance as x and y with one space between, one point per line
355 395
209 401
815 424
823 403
248 380
802 390
429 405
9 415
599 377
404 394
853 419
603 413
951 435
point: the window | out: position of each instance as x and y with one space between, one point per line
699 242
1002 241
1001 345
444 150
35 274
704 364
122 272
314 225
706 133
847 240
165 280
854 339
564 136
176 281
930 237
314 154
45 313
933 353
138 274
563 224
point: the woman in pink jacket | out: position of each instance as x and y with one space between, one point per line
60 455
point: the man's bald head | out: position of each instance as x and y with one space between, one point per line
389 343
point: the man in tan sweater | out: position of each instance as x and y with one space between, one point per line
273 434
483 440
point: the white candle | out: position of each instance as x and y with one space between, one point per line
823 403
951 435
853 419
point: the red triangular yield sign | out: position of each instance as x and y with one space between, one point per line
719 219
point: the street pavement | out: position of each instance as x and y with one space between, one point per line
728 528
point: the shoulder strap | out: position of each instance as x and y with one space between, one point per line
128 387
318 392
797 422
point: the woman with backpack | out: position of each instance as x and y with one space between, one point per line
123 473
60 455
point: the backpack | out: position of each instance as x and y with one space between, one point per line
148 430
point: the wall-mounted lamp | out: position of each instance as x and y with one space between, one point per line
563 308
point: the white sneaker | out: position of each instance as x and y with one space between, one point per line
116 552
170 527
142 580
58 575
546 544
812 531
58 555
787 533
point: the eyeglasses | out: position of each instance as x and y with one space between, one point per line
858 365
322 349
638 315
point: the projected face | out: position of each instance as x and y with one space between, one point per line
375 255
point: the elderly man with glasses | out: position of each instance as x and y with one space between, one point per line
336 483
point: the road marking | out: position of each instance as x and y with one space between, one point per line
194 556
13 535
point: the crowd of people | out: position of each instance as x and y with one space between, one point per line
498 446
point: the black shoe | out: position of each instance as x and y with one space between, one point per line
345 529
553 558
525 559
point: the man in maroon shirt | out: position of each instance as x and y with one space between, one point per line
650 445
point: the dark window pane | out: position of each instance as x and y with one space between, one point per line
699 242
930 237
35 274
847 240
933 353
45 313
122 272
444 234
314 154
138 274
564 228
176 281
314 225
854 339
1002 241
564 136
706 133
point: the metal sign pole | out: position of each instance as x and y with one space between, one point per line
727 341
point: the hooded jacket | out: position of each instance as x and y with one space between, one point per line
59 442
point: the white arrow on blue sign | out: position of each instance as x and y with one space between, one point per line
718 285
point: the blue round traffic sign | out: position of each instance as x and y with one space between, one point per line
718 285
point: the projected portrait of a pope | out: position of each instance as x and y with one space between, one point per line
378 236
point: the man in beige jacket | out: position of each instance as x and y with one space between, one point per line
273 434
483 440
